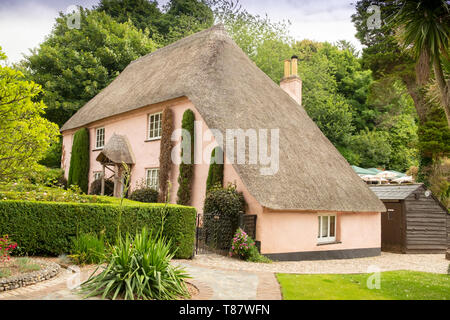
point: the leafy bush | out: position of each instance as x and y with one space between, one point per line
186 167
227 204
79 160
145 194
88 248
48 177
96 187
47 228
139 268
244 247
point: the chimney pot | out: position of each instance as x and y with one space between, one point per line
294 65
287 68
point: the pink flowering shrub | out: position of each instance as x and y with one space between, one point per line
6 246
241 245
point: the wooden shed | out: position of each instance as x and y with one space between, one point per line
415 221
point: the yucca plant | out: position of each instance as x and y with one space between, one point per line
139 268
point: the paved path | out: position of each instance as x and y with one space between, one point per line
435 263
220 277
213 283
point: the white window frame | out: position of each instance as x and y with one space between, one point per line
97 175
99 138
152 178
154 129
327 238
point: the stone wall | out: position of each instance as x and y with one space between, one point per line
49 270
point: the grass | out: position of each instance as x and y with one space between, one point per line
394 285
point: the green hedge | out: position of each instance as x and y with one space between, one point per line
46 228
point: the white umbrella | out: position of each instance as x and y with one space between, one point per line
403 179
386 174
373 178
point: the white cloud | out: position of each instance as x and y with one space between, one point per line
24 24
24 27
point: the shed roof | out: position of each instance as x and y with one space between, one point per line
394 192
231 92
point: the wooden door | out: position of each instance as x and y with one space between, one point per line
391 227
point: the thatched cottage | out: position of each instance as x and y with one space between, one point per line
313 206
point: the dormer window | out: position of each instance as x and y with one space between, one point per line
99 138
154 126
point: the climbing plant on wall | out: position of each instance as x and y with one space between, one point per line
215 173
165 162
187 162
79 160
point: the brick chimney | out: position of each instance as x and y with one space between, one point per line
291 82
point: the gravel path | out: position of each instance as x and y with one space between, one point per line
385 262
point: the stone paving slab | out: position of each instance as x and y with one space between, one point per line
226 285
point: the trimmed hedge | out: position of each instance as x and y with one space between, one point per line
79 160
215 173
47 228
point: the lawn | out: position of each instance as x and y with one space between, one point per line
394 285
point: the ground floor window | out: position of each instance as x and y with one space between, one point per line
97 175
152 178
327 228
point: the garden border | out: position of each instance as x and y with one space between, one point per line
49 271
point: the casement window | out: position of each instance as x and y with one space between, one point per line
99 138
154 126
327 228
97 175
152 178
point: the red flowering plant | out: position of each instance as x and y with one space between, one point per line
6 246
241 245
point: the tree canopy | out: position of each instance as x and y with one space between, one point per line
24 134
73 65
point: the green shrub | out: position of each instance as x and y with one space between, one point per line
227 204
96 187
146 194
165 154
79 160
139 268
88 248
47 228
186 169
215 173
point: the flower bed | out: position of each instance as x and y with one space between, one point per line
47 271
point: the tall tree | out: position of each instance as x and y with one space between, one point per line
24 134
425 26
144 14
73 65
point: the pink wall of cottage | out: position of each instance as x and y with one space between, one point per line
279 232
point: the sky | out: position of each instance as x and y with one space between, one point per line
25 23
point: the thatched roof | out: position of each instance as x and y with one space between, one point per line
117 150
230 91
